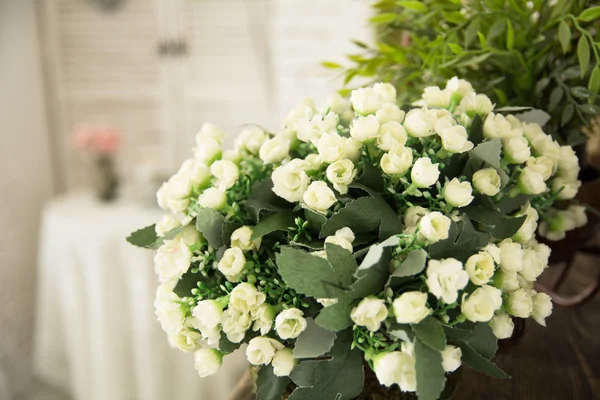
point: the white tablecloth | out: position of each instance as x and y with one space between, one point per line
97 335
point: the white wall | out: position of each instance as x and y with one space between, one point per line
25 183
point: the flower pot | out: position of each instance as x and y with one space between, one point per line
106 181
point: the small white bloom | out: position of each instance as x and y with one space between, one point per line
411 307
207 314
389 112
396 367
487 181
226 173
424 173
413 215
340 174
445 278
511 256
208 151
311 130
213 198
187 339
497 126
530 181
290 183
502 325
519 303
318 197
235 324
290 323
331 147
473 104
352 149
481 305
568 163
532 265
397 161
542 308
527 231
365 100
494 251
232 263
241 238
532 130
196 171
313 162
343 237
544 145
436 97
390 135
245 298
451 358
543 252
386 92
166 224
251 139
516 150
565 187
261 350
370 312
365 129
579 216
455 139
457 193
304 111
172 260
167 308
283 362
434 226
327 302
480 268
541 164
207 361
211 131
174 194
274 150
263 317
459 86
420 122
509 280
341 106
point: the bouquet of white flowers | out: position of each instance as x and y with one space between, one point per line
361 236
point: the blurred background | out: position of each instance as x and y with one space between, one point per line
100 100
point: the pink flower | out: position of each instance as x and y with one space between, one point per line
97 140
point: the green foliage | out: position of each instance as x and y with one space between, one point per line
145 237
281 221
430 374
519 52
210 223
314 341
268 385
430 332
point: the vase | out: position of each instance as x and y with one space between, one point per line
106 181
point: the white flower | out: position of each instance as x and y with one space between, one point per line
542 308
226 173
172 260
396 367
304 111
235 324
509 280
568 163
532 130
497 126
420 122
445 278
166 224
516 150
487 181
365 129
208 151
565 187
436 97
318 197
234 155
541 164
543 252
263 317
519 303
390 135
527 231
480 268
340 174
274 150
455 139
290 323
502 325
434 226
411 307
241 238
386 92
457 193
451 358
187 339
544 145
251 140
531 181
424 173
232 263
533 266
313 162
261 350
365 100
459 86
370 312
311 130
480 305
327 302
494 251
290 183
473 104
389 112
213 198
211 131
578 214
341 106
197 172
331 147
397 161
511 256
343 237
168 309
173 195
283 362
207 361
352 149
207 314
245 298
413 215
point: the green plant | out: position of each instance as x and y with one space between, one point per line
542 54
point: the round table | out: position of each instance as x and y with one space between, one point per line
97 336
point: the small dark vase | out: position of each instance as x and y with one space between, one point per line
106 179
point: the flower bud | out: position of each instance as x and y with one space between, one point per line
457 194
411 307
424 173
370 312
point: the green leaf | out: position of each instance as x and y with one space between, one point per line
280 221
482 41
512 109
483 340
430 373
590 14
413 264
341 377
210 223
343 263
594 82
430 332
413 5
509 204
371 178
582 93
262 198
186 283
315 220
455 48
567 114
583 54
564 35
371 278
591 109
510 35
228 228
401 331
452 332
500 226
314 341
383 18
478 362
330 65
270 386
336 317
496 30
488 153
226 346
463 240
145 237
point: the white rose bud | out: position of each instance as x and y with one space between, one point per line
527 231
544 145
519 303
331 147
502 325
420 122
370 312
198 173
531 181
497 126
283 362
211 131
261 350
455 139
232 263
341 106
494 251
386 92
565 187
532 265
167 307
487 181
187 339
365 100
411 307
389 112
263 317
509 280
480 268
241 238
481 305
396 367
311 131
516 150
290 323
207 361
424 173
511 256
245 298
343 237
451 358
290 183
458 194
543 252
318 197
436 97
340 174
459 86
532 130
413 215
473 104
226 173
173 195
391 134
397 161
542 164
251 140
579 216
365 129
235 324
166 224
434 226
172 260
207 314
274 150
213 198
542 308
304 111
445 278
208 151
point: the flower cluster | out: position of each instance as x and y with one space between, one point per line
362 231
